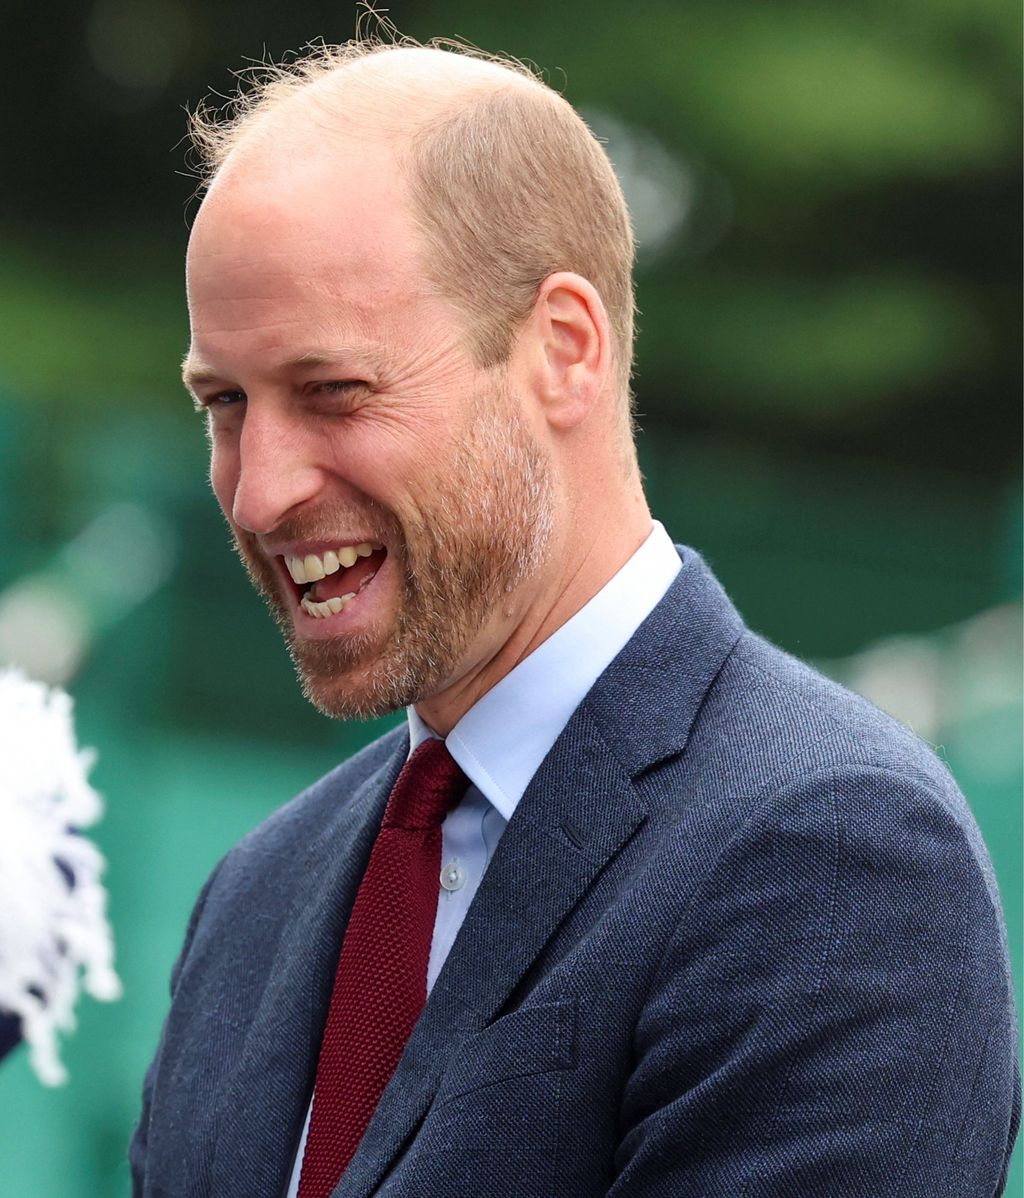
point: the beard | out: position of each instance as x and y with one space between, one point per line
485 530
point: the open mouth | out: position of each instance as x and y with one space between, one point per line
327 583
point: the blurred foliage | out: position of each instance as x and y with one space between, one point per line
844 266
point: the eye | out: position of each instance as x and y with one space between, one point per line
339 386
336 397
219 399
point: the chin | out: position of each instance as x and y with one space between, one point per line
354 680
339 700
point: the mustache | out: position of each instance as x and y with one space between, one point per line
328 520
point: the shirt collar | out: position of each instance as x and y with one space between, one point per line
503 738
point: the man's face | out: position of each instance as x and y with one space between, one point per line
353 437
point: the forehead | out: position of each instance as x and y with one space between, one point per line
286 230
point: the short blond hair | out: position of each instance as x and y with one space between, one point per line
508 183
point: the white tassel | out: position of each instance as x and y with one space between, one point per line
51 934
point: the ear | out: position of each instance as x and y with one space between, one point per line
570 348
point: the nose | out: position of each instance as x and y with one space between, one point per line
273 473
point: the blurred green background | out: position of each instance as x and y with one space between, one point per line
827 200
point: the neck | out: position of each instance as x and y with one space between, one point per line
577 569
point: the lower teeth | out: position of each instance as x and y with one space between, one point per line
321 609
329 607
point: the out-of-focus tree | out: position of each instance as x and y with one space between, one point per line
826 198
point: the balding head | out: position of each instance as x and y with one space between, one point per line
508 185
384 90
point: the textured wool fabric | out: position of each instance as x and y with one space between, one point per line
740 939
381 983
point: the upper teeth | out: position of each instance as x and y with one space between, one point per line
312 567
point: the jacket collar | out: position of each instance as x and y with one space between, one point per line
647 700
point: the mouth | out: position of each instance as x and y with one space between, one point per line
325 584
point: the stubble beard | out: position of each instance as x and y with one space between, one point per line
485 531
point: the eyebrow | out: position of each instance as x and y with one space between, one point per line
193 375
196 373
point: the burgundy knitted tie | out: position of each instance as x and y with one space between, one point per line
381 982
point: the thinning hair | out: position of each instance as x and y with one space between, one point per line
508 183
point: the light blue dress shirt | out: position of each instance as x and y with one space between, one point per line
503 738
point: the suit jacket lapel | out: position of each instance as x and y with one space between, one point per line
579 810
264 1103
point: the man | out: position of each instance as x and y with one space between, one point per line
636 904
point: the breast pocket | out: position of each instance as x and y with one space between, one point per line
533 1040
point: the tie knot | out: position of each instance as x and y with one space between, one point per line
428 787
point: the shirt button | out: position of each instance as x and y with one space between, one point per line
453 876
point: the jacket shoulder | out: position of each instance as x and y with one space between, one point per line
795 720
291 827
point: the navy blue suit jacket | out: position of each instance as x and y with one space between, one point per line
741 938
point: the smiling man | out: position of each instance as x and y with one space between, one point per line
634 904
